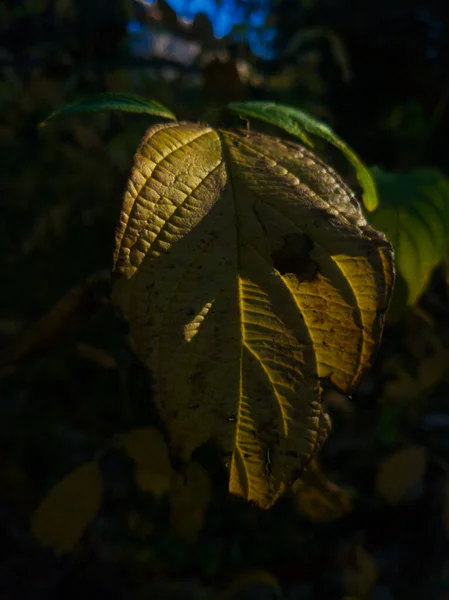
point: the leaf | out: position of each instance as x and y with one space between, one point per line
300 124
253 584
414 215
152 469
401 472
189 502
113 101
318 498
360 572
62 517
250 280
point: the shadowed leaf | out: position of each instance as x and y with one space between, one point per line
189 502
62 517
400 472
152 468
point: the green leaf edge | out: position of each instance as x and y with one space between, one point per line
113 101
299 123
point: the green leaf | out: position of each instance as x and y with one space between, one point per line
414 215
300 124
113 101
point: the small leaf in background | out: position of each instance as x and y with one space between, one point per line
319 499
414 215
400 473
64 514
152 469
114 101
189 502
300 124
253 585
360 573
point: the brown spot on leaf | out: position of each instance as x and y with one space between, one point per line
293 258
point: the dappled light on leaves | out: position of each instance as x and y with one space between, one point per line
250 280
62 517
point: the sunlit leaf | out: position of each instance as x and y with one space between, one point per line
414 215
189 502
250 279
400 472
63 516
114 101
301 124
148 450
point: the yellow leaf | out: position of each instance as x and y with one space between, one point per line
62 517
319 499
400 472
249 277
189 503
152 469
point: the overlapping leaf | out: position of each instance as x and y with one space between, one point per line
301 124
414 214
249 278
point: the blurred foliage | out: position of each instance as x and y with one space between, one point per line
373 522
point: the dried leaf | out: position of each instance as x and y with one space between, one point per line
148 450
400 472
249 276
62 517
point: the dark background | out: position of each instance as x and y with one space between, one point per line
378 72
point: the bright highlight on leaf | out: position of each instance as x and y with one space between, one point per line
414 215
298 123
251 281
63 516
114 101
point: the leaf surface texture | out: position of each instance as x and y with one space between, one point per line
250 280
